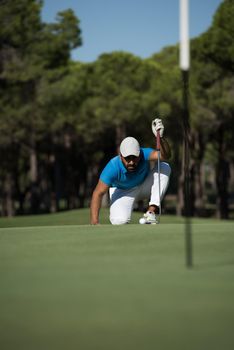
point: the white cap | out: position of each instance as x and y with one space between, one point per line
129 147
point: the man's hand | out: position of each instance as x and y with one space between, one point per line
157 125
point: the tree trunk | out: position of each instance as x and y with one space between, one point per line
33 165
34 188
182 208
198 183
120 135
180 177
222 178
180 195
199 189
8 202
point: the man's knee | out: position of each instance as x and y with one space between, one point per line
164 169
119 220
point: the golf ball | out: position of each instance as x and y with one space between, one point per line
142 221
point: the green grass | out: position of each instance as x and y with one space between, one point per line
78 217
69 286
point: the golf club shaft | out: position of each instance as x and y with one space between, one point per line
158 147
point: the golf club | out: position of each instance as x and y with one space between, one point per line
158 146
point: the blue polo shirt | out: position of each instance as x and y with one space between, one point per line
116 175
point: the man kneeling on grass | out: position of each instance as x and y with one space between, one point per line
129 178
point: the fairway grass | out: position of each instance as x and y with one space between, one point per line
80 217
116 287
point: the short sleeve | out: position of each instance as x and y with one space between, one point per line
147 152
108 174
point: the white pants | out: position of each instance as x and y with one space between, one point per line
122 201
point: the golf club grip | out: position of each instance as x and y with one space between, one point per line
158 141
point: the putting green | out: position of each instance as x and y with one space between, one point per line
125 287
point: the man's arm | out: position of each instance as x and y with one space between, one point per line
165 151
96 201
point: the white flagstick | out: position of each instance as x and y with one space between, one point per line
184 65
184 35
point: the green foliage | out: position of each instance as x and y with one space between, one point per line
218 40
31 51
58 39
20 21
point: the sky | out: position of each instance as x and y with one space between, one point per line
141 27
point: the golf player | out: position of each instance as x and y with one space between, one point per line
129 177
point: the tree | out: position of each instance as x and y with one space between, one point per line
217 43
215 80
30 50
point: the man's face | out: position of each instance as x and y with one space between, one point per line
130 162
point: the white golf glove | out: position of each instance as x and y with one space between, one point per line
157 125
